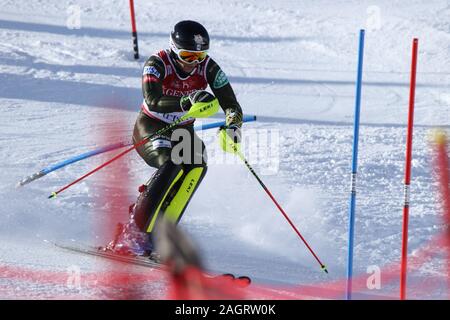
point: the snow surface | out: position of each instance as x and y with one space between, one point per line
65 91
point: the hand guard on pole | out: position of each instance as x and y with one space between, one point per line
186 102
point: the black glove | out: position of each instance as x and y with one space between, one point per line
186 102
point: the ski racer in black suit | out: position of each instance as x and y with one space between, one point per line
173 80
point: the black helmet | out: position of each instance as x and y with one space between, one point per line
189 35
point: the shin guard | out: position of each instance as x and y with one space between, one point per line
150 201
181 199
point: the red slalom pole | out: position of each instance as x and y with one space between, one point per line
406 198
443 167
134 31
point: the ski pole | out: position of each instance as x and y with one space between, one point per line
235 148
104 149
198 110
322 266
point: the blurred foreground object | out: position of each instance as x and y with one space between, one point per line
189 280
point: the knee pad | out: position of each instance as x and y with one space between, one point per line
157 151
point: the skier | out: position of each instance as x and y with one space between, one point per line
173 80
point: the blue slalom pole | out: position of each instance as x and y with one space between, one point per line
354 167
108 148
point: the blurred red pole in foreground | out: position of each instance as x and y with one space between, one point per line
188 278
193 284
442 166
113 186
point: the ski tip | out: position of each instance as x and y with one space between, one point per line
324 268
53 195
229 276
243 281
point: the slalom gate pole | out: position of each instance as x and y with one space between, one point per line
71 160
241 156
134 31
406 198
351 224
108 148
198 110
443 166
54 194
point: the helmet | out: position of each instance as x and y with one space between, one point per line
189 35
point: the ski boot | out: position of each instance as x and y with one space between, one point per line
129 240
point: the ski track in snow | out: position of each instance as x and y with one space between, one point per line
63 90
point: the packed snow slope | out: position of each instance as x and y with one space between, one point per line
69 83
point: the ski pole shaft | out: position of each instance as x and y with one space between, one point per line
322 266
143 141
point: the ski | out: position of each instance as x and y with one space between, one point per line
243 281
101 252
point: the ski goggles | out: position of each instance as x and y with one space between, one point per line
192 56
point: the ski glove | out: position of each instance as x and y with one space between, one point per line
230 134
233 123
233 118
187 101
